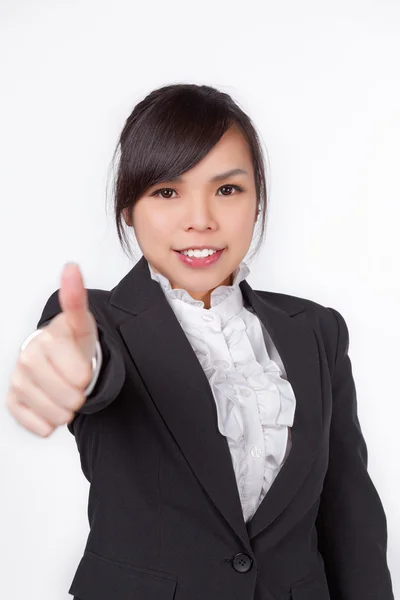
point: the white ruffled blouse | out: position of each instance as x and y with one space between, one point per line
255 403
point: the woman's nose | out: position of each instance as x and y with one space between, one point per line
200 215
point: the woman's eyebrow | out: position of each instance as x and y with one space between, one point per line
230 173
227 174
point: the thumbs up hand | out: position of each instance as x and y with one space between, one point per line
52 372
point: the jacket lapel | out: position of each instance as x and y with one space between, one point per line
181 392
297 346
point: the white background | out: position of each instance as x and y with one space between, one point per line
321 82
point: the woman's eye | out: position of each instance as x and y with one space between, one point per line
163 190
234 187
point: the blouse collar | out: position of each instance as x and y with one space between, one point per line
228 298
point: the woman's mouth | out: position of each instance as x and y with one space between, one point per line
199 258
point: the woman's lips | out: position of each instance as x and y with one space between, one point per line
194 262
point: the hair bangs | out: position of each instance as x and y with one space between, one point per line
176 136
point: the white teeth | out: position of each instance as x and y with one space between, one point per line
199 253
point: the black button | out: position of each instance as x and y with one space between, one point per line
242 562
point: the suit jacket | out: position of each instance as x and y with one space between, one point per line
165 517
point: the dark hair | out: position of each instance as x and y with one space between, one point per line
169 132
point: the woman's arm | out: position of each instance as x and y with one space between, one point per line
351 522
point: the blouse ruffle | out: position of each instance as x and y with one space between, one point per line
274 396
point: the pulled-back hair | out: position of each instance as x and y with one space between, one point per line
168 133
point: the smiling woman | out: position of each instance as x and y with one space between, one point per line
191 176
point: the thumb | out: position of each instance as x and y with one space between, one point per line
74 303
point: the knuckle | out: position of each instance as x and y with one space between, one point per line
16 381
72 417
58 419
66 417
59 415
46 430
45 339
50 416
75 401
83 375
26 359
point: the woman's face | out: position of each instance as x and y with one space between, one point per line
198 211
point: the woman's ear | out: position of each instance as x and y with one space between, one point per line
127 218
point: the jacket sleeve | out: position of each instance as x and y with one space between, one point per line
112 373
351 523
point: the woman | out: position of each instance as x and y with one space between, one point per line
219 431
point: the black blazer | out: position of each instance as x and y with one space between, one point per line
164 510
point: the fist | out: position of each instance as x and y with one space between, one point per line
48 382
